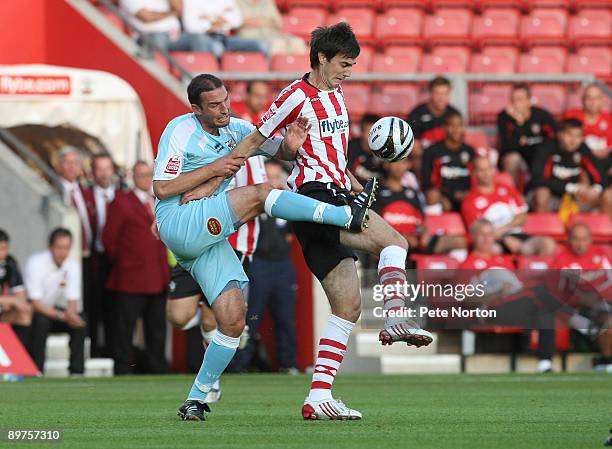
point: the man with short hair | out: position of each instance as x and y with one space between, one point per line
522 128
256 102
53 284
567 166
14 307
445 172
197 153
506 208
139 275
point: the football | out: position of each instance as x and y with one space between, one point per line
391 139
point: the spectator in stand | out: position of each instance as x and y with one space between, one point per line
103 171
70 168
596 270
505 208
361 161
256 103
214 21
140 273
273 284
263 22
402 207
14 307
53 284
567 166
522 128
445 172
159 22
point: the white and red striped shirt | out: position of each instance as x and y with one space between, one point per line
253 172
323 156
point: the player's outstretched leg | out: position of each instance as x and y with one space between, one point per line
248 202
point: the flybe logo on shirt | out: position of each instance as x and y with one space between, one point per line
331 126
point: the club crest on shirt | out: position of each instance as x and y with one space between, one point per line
465 157
173 165
481 202
214 226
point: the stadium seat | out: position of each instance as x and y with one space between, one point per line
496 25
321 4
372 4
357 97
544 25
446 59
399 26
483 5
364 60
465 4
599 224
482 63
504 178
486 104
579 5
196 62
529 5
404 50
591 26
448 223
388 4
290 63
361 20
435 262
550 97
448 25
598 62
301 21
477 139
534 262
544 223
394 99
395 64
244 62
543 60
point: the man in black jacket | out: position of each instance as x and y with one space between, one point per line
567 166
522 128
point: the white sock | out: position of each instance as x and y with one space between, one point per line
194 321
207 335
391 271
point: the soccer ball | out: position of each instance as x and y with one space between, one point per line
391 139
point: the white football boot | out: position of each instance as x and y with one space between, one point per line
407 331
333 409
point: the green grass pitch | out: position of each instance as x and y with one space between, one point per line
560 411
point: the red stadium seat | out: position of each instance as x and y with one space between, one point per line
446 59
591 4
505 179
290 63
550 97
357 97
388 4
544 25
435 262
501 50
364 60
535 262
404 50
321 4
482 63
477 139
399 26
483 5
372 4
448 25
244 62
301 21
591 26
543 60
599 224
545 223
596 60
395 64
486 104
536 4
448 223
496 25
465 4
394 99
361 20
196 62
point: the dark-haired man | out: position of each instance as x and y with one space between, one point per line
445 172
320 171
522 128
567 166
53 284
198 153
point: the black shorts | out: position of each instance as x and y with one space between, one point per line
182 285
519 235
321 243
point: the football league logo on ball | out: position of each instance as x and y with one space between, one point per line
214 226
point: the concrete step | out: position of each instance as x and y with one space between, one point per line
99 367
369 346
58 347
56 368
421 364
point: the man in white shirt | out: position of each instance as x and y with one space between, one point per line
158 22
215 20
103 171
53 285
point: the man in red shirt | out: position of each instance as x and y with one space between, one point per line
256 103
596 272
505 208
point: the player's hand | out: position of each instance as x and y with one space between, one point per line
204 190
74 320
226 166
296 134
